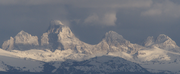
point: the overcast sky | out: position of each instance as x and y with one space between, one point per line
89 20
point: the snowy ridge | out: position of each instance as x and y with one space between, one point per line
60 37
59 44
48 56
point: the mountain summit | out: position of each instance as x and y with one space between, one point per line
162 41
55 26
22 41
24 38
116 42
55 33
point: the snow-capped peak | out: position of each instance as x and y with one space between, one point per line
22 41
22 33
116 42
113 35
163 42
162 38
55 34
114 38
26 38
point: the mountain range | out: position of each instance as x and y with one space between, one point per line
60 51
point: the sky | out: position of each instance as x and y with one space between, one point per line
89 20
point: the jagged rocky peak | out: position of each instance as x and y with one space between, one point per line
162 38
162 41
166 40
116 43
59 29
56 33
22 41
25 38
113 37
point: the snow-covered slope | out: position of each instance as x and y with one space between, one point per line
10 62
160 54
20 61
159 60
48 56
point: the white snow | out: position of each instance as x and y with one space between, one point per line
153 54
45 55
20 41
122 55
25 38
158 60
9 58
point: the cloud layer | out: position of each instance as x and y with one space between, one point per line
90 19
165 8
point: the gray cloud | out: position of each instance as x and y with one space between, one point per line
83 3
28 2
107 19
109 8
111 4
163 9
90 19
